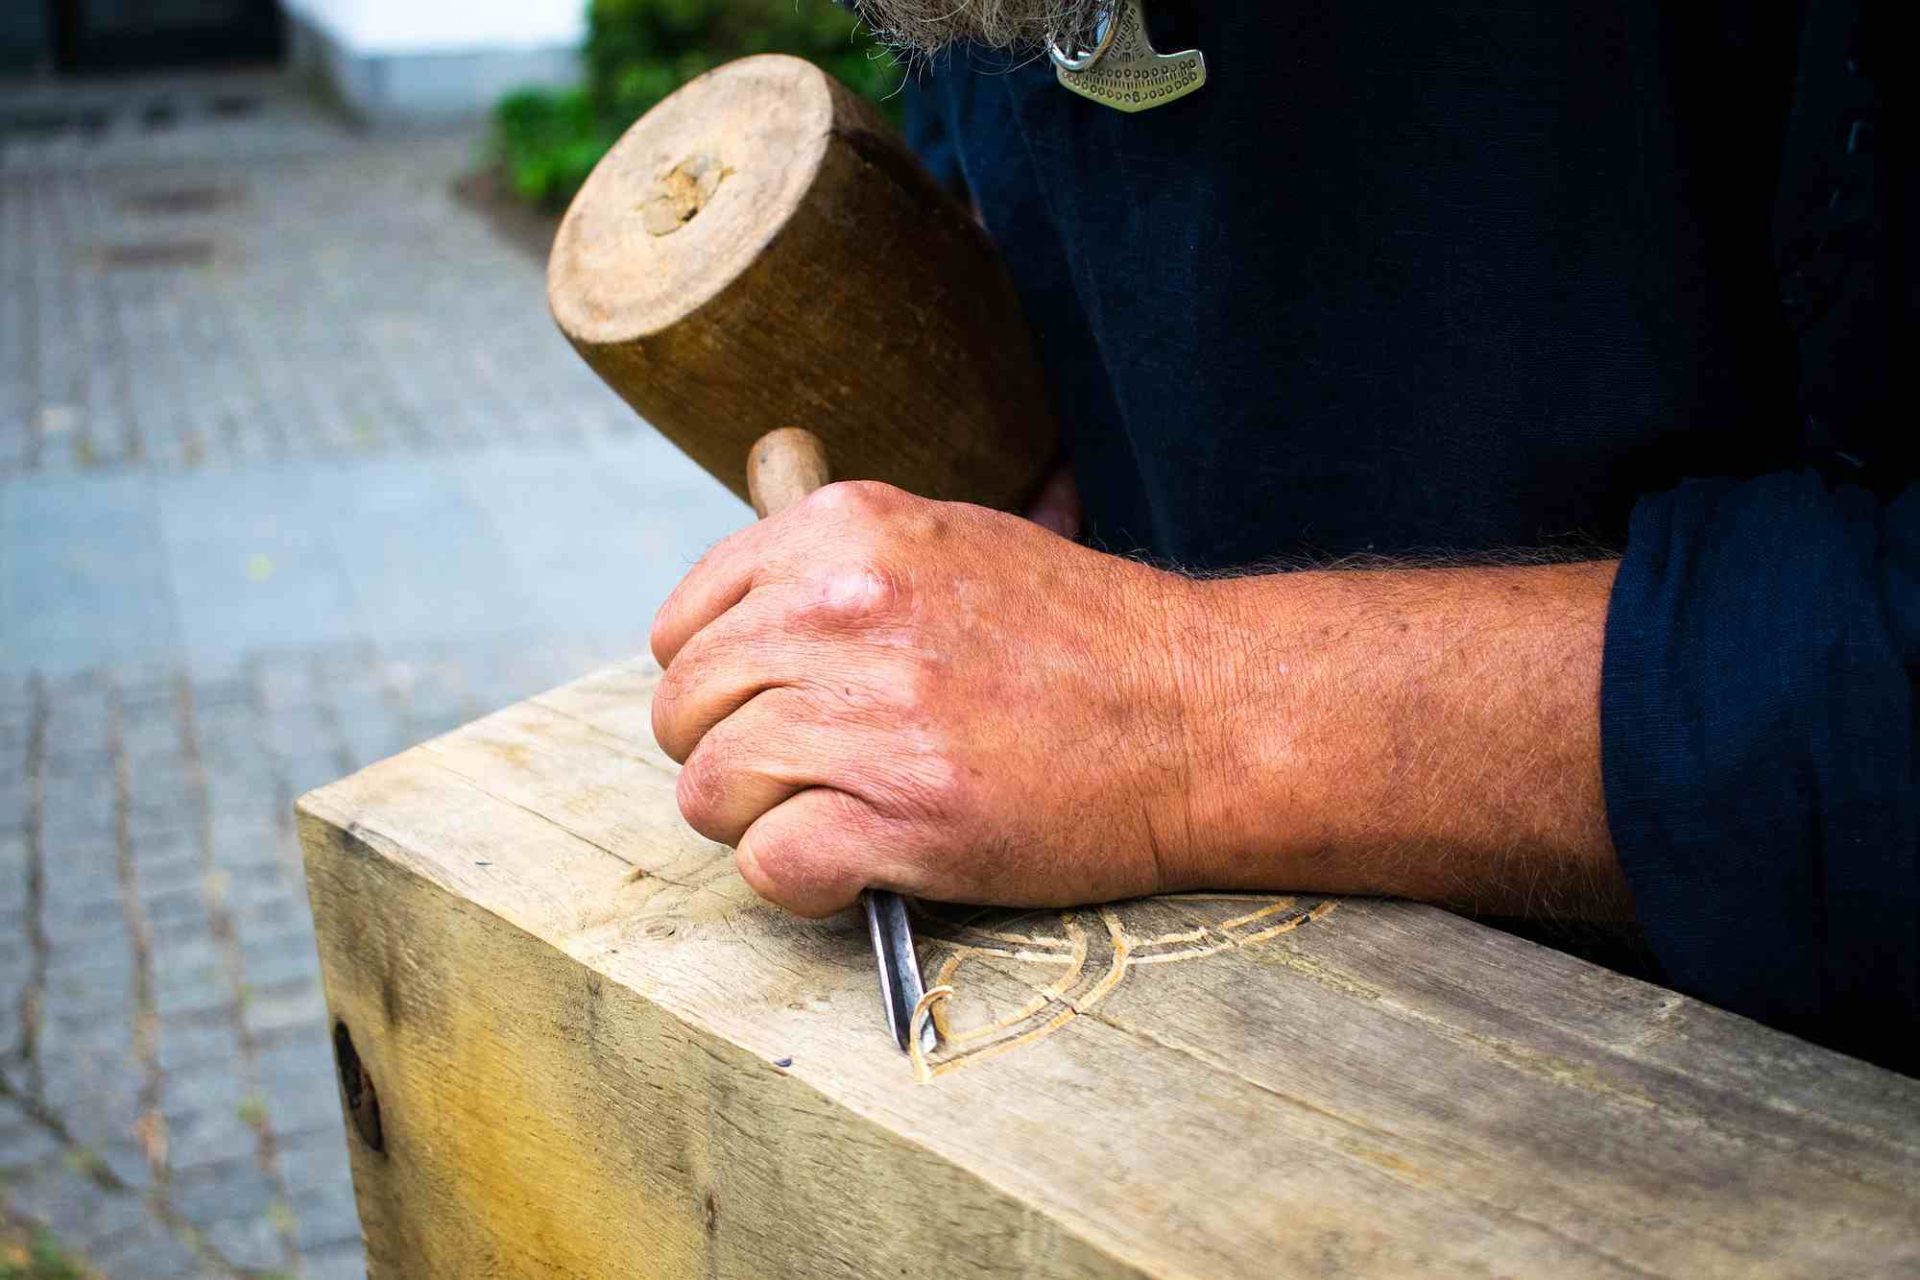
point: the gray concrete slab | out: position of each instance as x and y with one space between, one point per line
252 564
597 537
85 574
398 553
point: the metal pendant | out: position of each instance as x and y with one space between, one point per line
1113 62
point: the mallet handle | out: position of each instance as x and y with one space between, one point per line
783 467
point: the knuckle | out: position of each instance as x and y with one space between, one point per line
777 868
860 592
918 688
661 632
667 633
925 523
661 714
668 714
802 867
698 791
855 498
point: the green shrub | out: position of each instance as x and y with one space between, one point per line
32 1254
639 51
548 142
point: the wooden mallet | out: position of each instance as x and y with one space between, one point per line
767 274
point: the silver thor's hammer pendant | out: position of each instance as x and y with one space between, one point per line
1117 66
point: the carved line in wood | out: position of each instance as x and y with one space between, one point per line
1095 961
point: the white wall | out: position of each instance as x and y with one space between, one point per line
445 26
423 59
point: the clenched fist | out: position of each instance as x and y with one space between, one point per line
873 690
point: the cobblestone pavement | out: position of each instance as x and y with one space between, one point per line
293 473
203 308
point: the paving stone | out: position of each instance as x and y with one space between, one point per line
96 1222
302 1099
177 931
181 991
185 952
252 1242
80 873
73 1208
13 864
273 915
302 1103
175 907
345 1261
81 1047
167 854
228 1191
283 958
89 925
122 1155
151 1254
273 1009
326 1216
190 1044
209 1135
165 826
164 878
243 837
260 883
85 933
23 1143
302 1049
86 1011
316 1161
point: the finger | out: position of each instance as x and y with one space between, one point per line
769 750
718 581
809 853
744 652
772 550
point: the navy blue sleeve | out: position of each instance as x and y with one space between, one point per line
1758 735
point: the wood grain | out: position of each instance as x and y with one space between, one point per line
596 1054
762 250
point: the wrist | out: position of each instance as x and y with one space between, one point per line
1420 733
1279 764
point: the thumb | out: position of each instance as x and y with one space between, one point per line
807 853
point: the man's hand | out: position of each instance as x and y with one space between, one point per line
873 690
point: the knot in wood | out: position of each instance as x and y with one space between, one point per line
681 192
357 1091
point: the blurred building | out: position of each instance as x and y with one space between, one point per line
385 59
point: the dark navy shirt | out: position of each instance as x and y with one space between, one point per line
1618 276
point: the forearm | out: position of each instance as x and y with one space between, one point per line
1424 733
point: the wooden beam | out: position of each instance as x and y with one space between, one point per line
579 1047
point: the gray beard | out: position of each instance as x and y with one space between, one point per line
922 26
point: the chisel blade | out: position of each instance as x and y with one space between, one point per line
900 985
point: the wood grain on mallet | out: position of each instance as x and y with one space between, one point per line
597 1054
